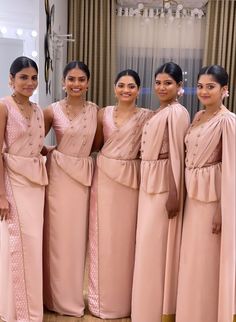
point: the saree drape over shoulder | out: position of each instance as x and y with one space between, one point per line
21 297
158 238
114 200
70 169
207 266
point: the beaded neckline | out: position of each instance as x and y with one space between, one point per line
115 116
20 105
196 123
69 108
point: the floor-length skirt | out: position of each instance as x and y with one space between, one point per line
29 201
111 247
65 237
150 258
199 264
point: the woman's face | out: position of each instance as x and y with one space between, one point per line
126 90
76 83
209 92
25 81
166 88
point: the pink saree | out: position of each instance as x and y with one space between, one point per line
113 212
158 238
207 267
21 234
70 170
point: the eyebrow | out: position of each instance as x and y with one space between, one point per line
166 80
213 83
127 84
82 76
28 75
69 76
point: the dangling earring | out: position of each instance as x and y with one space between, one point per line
84 96
64 89
180 92
225 94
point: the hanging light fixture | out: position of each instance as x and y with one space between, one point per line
163 8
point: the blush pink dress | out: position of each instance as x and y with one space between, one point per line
206 289
158 238
112 227
21 234
70 169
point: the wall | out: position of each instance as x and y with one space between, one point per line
58 51
28 16
16 25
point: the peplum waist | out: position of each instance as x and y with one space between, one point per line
78 168
204 184
154 176
31 168
125 172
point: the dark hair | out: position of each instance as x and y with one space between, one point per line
217 72
20 63
171 69
76 64
129 72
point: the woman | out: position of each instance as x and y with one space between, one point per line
70 170
161 201
114 198
22 180
206 289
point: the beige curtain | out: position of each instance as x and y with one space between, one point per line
92 24
220 47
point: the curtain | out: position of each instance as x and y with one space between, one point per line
92 24
145 42
220 45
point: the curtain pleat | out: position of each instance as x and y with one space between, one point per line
220 46
145 43
92 24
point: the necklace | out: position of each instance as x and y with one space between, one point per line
22 106
201 116
115 115
70 111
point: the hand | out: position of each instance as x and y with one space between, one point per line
172 206
217 222
4 208
47 149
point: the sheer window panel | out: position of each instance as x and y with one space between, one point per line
145 43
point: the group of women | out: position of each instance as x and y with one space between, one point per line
154 206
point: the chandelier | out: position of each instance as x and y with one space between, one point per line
161 8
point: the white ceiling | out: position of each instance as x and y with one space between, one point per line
159 3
